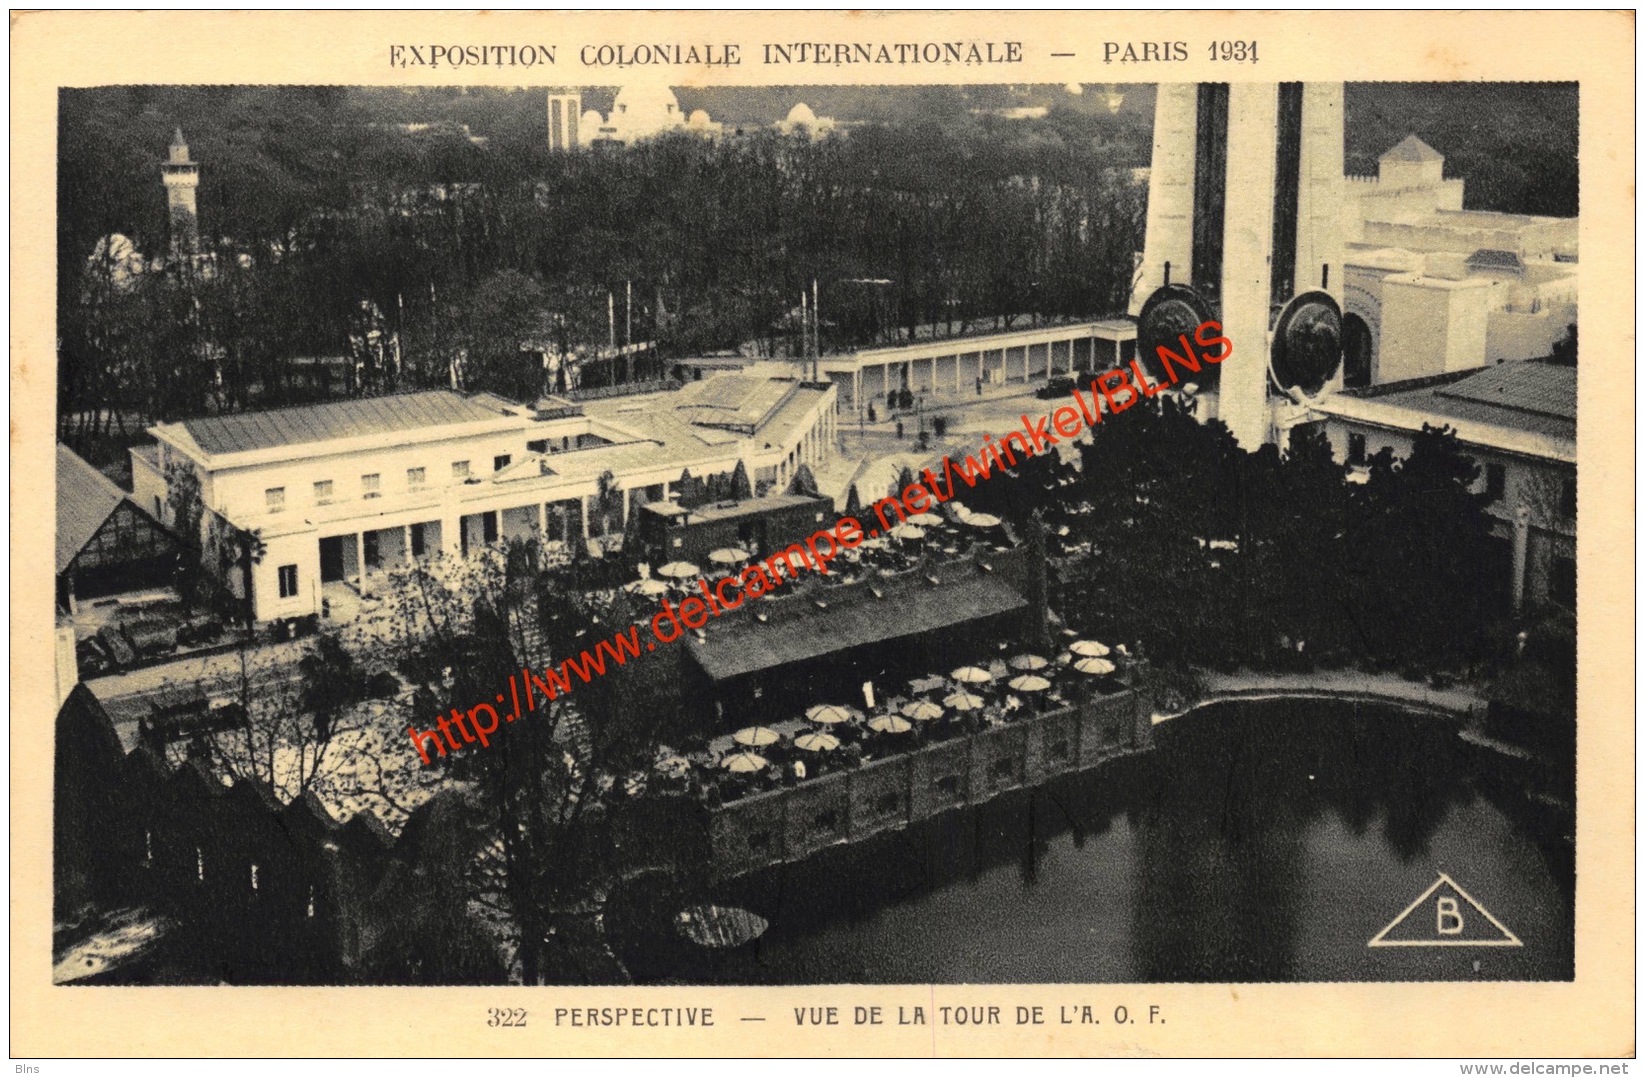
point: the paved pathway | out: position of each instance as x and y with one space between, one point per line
1245 684
998 412
204 671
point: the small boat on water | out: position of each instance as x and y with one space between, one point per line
720 926
119 938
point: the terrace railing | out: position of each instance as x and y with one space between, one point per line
789 823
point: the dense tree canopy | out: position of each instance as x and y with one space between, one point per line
444 209
1514 142
1211 555
310 202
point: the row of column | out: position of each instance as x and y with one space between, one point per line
452 530
981 356
812 449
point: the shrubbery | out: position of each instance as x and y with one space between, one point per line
1222 558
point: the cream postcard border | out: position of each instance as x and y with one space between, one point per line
1593 1016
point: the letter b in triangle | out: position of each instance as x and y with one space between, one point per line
1445 916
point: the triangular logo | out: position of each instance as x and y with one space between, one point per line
1445 916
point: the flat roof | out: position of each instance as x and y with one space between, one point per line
1541 389
342 419
1496 218
1115 326
1524 406
791 414
656 420
1442 284
985 339
731 363
734 510
594 461
910 606
742 400
1397 259
1494 259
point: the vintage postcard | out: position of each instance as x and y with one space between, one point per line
823 533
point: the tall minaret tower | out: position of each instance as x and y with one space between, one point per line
1243 227
182 179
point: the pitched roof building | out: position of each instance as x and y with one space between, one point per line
105 543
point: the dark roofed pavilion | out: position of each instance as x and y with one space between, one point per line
105 542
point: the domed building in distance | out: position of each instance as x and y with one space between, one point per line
639 111
642 111
804 123
699 123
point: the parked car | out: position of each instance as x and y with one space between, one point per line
93 658
116 646
199 630
1060 386
151 636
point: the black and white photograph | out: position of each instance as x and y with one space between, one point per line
1088 533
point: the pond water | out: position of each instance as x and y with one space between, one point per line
1258 842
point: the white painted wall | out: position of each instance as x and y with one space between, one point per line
240 493
1430 326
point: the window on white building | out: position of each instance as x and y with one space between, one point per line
459 470
372 485
1567 499
322 492
1496 482
501 461
1356 450
288 581
276 498
416 478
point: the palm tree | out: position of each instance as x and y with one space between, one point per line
608 503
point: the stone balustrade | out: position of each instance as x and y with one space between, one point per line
894 791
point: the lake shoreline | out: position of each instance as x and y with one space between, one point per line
1178 867
1347 685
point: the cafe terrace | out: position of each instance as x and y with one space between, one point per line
923 673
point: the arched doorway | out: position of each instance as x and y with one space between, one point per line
1357 347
